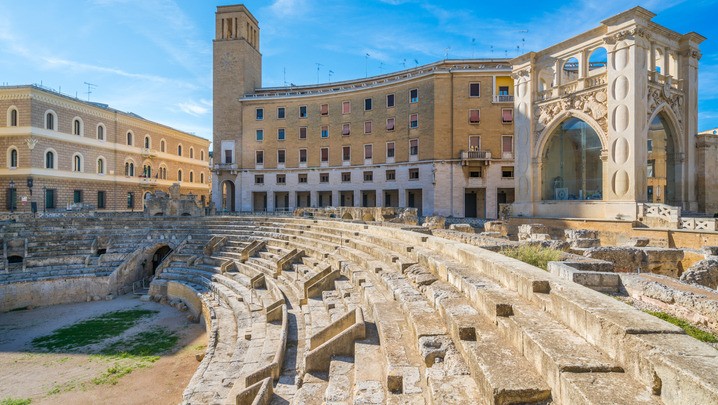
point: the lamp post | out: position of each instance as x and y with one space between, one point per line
44 195
12 196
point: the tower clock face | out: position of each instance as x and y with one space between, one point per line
227 61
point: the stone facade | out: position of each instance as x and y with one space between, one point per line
92 147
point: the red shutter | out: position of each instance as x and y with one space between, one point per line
325 109
390 124
508 115
474 116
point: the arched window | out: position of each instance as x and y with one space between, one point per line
179 175
50 120
546 78
147 142
77 163
12 117
12 159
129 169
598 59
569 72
147 171
162 146
191 177
201 178
100 166
76 127
49 160
201 155
191 154
101 132
129 138
163 173
661 169
179 150
572 167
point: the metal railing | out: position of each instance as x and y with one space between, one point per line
503 98
475 155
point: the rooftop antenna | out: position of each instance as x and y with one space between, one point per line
416 62
318 65
366 65
446 52
518 50
506 53
90 86
403 64
381 67
285 76
523 40
473 47
331 72
492 51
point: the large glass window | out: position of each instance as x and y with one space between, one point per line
572 167
661 173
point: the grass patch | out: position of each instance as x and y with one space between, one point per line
91 331
691 330
534 255
16 401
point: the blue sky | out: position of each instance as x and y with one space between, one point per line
154 57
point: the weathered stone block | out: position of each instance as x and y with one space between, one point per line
637 242
573 234
532 228
704 272
462 228
585 243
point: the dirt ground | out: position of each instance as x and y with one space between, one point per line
66 378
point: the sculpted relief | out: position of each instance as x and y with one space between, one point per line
593 104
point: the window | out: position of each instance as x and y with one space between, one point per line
346 128
346 107
13 158
649 144
507 172
303 133
13 118
413 147
259 135
413 174
100 166
346 177
49 160
503 90
163 173
100 199
507 115
324 177
147 142
651 168
368 149
280 113
259 113
324 109
201 178
129 139
281 156
191 153
227 156
389 100
281 179
101 133
475 173
77 196
367 104
302 156
302 178
179 150
50 120
507 146
179 175
76 127
474 143
259 157
324 154
390 175
367 127
390 124
474 89
413 95
129 169
413 120
346 153
280 134
368 177
325 131
191 177
303 111
258 179
163 145
474 116
77 163
50 198
131 200
390 149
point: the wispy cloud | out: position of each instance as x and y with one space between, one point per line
196 109
289 8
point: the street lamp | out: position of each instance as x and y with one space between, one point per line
44 194
12 196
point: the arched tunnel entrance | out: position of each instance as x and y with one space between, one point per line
160 254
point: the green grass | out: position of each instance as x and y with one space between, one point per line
691 330
16 401
534 255
91 331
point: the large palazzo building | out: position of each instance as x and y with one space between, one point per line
437 137
601 124
75 154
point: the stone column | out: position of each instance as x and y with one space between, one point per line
526 183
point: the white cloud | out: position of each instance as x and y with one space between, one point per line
288 8
195 109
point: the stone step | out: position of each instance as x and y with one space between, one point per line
341 380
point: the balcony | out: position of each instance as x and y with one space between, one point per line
475 157
225 166
148 182
503 98
148 153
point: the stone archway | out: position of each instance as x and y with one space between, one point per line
159 255
227 190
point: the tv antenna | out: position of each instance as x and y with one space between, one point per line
285 76
90 86
331 72
366 65
446 52
403 64
473 47
381 67
318 65
523 40
416 63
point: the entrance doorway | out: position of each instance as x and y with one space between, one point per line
474 203
159 255
228 196
414 199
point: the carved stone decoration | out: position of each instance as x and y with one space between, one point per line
593 103
657 97
630 34
31 142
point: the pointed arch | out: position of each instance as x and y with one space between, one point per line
558 119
